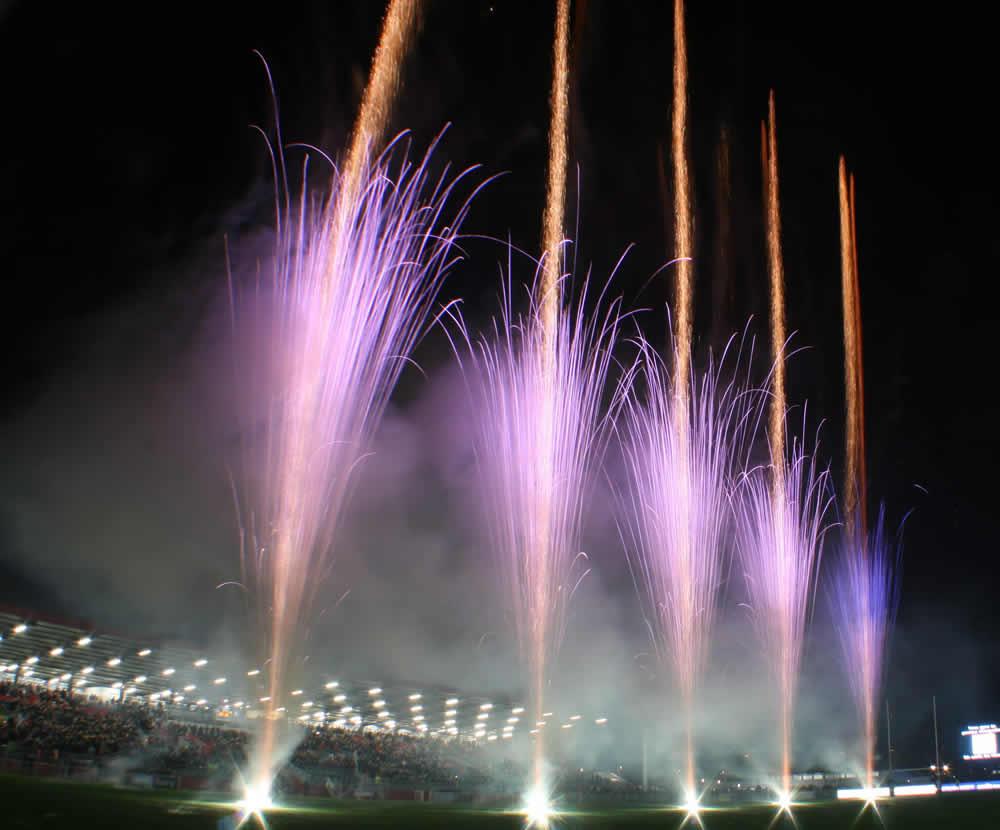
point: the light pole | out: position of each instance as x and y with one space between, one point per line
937 747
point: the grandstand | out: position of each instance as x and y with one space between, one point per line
194 686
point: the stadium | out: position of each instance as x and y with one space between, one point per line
158 732
531 415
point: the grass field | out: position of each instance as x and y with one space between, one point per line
32 802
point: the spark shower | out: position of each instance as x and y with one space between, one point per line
355 277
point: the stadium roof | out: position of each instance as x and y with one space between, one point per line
61 655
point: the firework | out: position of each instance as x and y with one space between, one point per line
342 312
864 597
683 220
779 542
676 510
855 477
541 432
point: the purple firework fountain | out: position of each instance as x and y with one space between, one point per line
542 430
780 531
681 453
354 280
864 596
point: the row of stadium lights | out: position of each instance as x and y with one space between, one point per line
384 716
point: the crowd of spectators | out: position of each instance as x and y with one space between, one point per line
44 725
382 756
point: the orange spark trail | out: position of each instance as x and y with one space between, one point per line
683 222
854 474
859 374
383 84
555 197
776 273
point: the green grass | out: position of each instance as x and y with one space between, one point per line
32 802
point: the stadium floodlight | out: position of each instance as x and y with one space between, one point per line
517 710
178 698
306 704
601 721
492 738
453 730
346 709
508 735
417 708
508 728
115 661
220 680
375 690
383 715
141 678
116 685
84 641
450 713
546 714
20 628
449 722
390 724
333 684
296 693
540 724
201 702
378 704
340 698
200 662
356 720
418 718
28 672
486 707
265 699
65 676
451 701
56 652
154 696
482 716
87 670
31 661
81 682
513 720
190 687
567 726
253 672
145 652
168 672
574 717
280 709
416 696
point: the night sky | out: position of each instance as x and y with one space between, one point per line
127 160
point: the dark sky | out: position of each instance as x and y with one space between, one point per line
126 158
